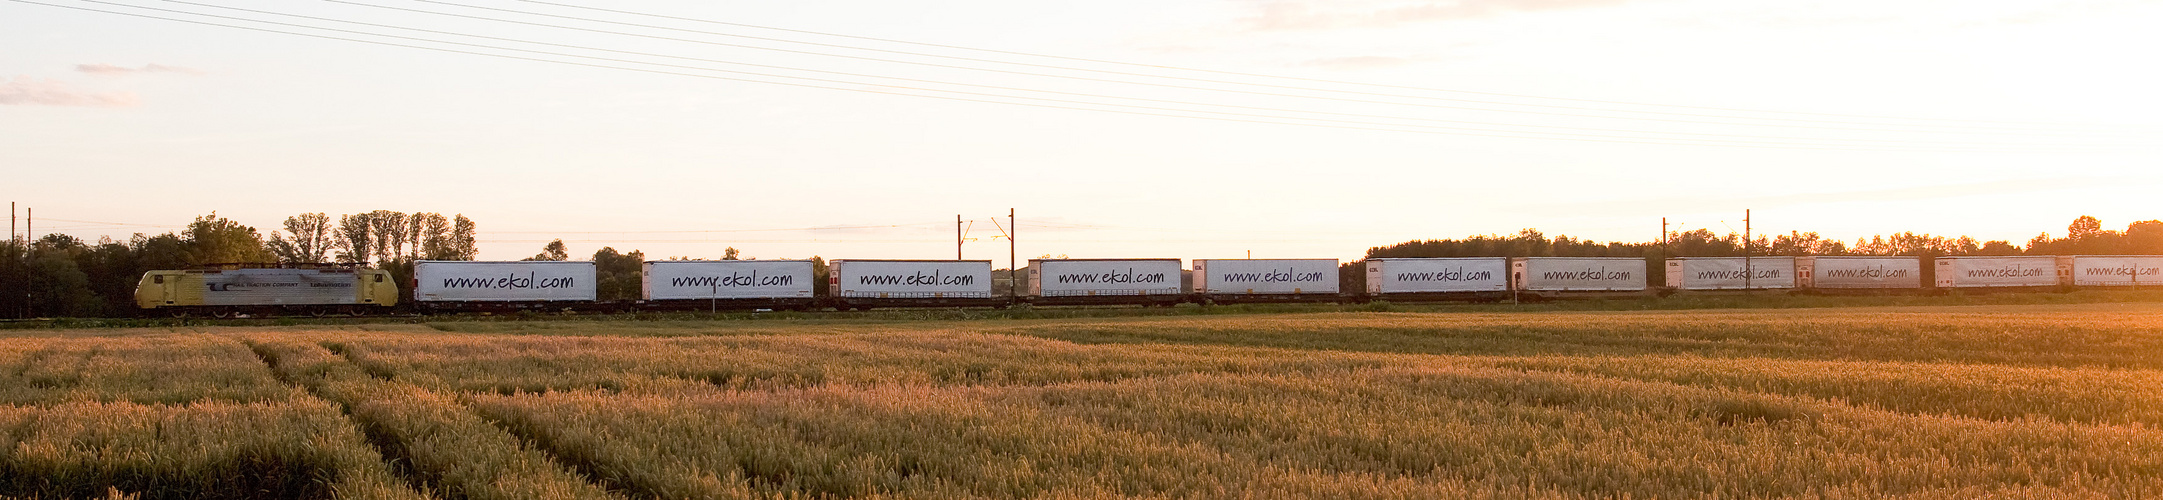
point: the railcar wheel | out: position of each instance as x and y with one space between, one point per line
318 311
177 312
355 312
221 313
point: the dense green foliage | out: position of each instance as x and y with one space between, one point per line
62 276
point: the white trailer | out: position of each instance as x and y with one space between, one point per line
2000 272
731 283
1847 273
1731 273
1448 278
1104 281
1265 280
459 284
1579 276
881 283
2117 270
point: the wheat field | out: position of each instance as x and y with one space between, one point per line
2012 401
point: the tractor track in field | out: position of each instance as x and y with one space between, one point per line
386 446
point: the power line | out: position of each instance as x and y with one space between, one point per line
1971 128
917 225
1257 75
981 97
1820 141
439 2
115 223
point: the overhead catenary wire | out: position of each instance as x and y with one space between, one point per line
1286 87
811 228
1970 129
991 98
1826 141
1258 75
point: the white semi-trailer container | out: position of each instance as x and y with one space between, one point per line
733 284
2000 272
455 284
2117 270
1265 280
884 283
1103 281
1848 273
1448 278
1731 273
1579 276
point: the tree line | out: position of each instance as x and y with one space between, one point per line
61 275
2085 236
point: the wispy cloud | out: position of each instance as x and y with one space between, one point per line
24 90
1284 15
111 70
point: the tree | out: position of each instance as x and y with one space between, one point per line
2144 238
14 278
165 251
2083 227
553 251
388 230
354 240
113 270
461 244
311 241
62 288
1998 248
216 240
618 274
434 233
729 254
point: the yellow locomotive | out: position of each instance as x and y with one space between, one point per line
223 291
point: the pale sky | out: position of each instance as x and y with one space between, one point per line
1421 119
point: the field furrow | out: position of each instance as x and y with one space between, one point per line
455 453
1926 403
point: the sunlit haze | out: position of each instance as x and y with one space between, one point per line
1314 129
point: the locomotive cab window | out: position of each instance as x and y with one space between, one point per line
379 278
157 279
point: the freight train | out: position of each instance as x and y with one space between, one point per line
456 286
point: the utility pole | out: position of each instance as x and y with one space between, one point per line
1749 272
957 236
1013 268
30 219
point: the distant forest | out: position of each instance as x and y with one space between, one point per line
62 276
